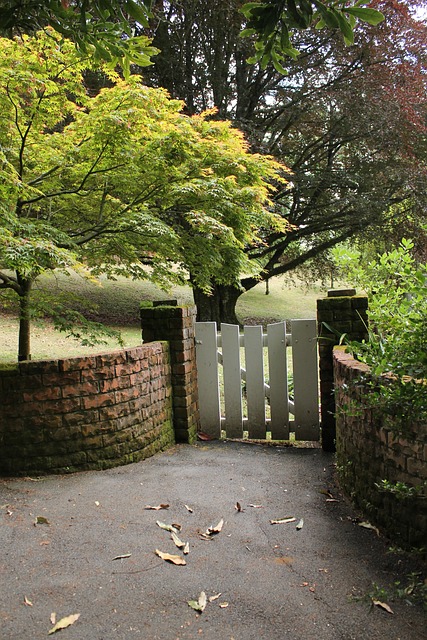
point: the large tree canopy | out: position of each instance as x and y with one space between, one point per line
349 121
119 182
106 28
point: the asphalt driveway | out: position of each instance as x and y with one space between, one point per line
85 544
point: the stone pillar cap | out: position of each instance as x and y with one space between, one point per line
336 293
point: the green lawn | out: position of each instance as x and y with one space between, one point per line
117 305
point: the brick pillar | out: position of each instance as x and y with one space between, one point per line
176 325
343 312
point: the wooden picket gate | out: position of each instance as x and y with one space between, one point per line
274 394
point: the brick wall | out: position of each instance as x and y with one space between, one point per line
93 412
342 311
166 321
368 452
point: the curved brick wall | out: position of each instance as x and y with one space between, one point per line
368 452
94 412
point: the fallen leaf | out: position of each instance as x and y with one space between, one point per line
238 507
256 506
204 436
159 506
326 492
53 617
65 622
331 500
283 520
172 528
300 525
43 543
188 508
215 597
216 529
382 605
97 503
368 525
27 602
178 542
186 549
170 558
223 605
200 604
211 531
41 520
125 555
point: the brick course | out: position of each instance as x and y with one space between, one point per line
84 413
369 452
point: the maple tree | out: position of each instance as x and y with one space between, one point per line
120 182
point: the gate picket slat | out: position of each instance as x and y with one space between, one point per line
232 380
304 358
278 372
255 392
207 377
305 403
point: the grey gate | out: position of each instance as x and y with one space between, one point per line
258 384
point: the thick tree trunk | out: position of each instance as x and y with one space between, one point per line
219 306
24 351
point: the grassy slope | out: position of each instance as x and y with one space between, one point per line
118 306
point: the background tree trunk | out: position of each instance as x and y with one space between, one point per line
219 306
24 344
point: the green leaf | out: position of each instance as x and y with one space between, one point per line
371 16
140 14
248 8
345 28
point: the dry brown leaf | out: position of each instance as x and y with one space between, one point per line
172 528
215 597
159 506
65 622
179 560
178 542
326 492
255 506
204 436
382 605
52 618
186 549
368 525
217 529
27 602
223 605
283 520
238 507
125 555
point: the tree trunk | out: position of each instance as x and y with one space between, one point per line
219 306
24 319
